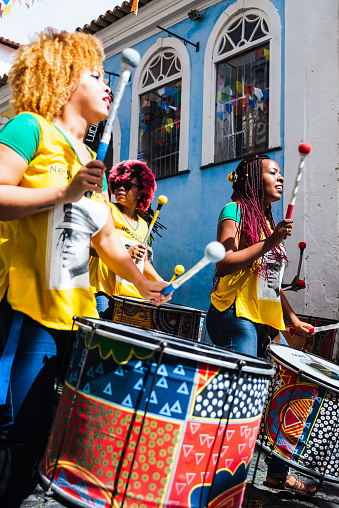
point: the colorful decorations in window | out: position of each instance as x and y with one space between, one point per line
160 113
242 104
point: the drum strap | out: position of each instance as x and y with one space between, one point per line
7 358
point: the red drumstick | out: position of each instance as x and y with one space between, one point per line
294 286
304 150
302 247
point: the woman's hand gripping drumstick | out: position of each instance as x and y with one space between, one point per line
214 252
130 59
162 200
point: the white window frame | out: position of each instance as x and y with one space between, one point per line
269 12
179 48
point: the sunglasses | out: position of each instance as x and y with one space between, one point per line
126 185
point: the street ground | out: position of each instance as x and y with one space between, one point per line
257 496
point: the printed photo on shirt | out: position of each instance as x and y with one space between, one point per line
71 230
269 289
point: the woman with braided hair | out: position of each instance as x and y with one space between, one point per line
248 305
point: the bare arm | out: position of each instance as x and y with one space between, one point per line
289 316
228 234
150 272
114 254
17 202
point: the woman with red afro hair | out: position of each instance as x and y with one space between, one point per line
124 171
133 185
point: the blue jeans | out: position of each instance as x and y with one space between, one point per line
26 416
238 334
103 306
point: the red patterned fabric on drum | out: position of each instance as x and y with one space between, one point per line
192 446
321 343
300 416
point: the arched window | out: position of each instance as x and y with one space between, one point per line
240 76
160 109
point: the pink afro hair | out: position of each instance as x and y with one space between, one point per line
126 170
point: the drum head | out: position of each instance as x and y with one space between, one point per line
176 346
309 365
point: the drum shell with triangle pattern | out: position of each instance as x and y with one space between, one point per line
188 453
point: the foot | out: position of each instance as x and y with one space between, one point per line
292 483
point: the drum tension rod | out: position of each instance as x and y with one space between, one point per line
115 491
236 377
48 493
276 377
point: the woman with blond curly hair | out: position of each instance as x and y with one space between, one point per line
46 228
133 185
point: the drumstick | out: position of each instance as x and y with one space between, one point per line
214 252
162 200
304 150
317 329
302 247
178 270
130 59
300 285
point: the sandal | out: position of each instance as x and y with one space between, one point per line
291 483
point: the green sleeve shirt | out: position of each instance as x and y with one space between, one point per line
230 211
22 134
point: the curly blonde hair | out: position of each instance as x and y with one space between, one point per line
46 72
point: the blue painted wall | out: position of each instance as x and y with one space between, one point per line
194 199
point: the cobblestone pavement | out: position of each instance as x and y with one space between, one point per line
257 496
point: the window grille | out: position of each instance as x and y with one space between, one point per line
242 54
160 113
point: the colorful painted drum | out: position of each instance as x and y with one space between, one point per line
147 419
185 322
300 422
321 343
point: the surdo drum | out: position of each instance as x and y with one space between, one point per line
179 320
300 422
147 419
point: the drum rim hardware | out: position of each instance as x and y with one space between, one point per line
211 353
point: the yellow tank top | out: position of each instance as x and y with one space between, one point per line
256 298
47 272
101 277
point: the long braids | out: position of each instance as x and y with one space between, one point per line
248 193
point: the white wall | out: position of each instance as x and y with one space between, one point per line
5 58
311 114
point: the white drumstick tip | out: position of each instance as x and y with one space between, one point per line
215 252
130 58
